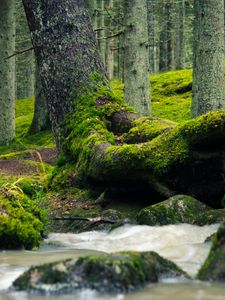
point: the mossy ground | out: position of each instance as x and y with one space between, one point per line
171 94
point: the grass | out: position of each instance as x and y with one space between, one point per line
171 94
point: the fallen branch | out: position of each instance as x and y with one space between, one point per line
92 220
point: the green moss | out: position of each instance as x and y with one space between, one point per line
171 94
19 227
213 268
177 209
119 272
146 129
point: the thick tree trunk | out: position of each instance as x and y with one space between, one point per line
208 66
7 71
165 159
25 63
136 57
41 116
63 74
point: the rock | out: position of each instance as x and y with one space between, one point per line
214 267
213 216
119 272
176 209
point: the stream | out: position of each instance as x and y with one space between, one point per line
183 244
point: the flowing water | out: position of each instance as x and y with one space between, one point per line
183 244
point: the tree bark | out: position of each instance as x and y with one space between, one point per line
151 34
41 116
136 57
7 71
63 75
208 66
180 59
25 63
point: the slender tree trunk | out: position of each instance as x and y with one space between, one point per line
41 116
110 42
163 64
180 59
151 33
208 66
25 64
136 57
62 74
7 71
169 11
101 30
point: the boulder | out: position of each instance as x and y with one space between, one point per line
214 267
119 272
176 209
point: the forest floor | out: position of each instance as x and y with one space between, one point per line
31 158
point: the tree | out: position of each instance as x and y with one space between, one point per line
41 116
208 66
25 63
101 139
136 56
7 71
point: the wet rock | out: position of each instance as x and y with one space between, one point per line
119 272
176 209
214 267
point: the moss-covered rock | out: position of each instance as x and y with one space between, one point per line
212 216
177 209
119 272
21 221
214 267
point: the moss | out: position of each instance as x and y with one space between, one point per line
146 129
171 94
177 209
213 268
19 227
119 272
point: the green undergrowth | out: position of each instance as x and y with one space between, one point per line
171 94
23 141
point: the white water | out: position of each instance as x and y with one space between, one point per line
183 244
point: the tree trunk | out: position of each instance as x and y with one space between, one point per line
7 71
163 159
180 59
208 66
41 116
25 63
63 75
151 33
110 42
101 30
136 57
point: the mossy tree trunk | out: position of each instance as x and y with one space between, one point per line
63 74
136 56
208 66
7 71
164 158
